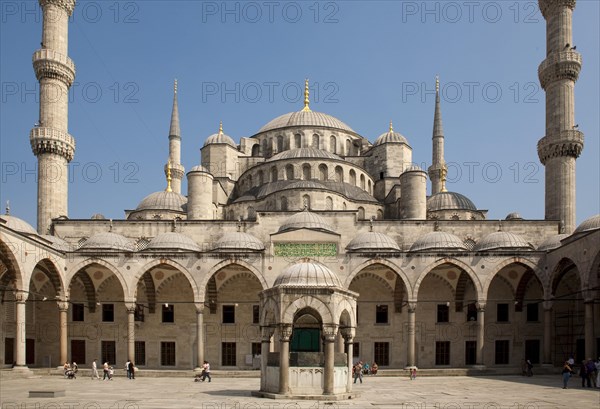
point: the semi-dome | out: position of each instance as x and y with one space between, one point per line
306 118
449 201
304 153
108 241
58 243
172 241
390 137
19 225
502 240
305 220
438 240
163 201
220 137
593 223
307 274
372 241
199 168
237 241
552 242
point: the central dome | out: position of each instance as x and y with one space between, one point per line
304 153
306 118
449 201
163 200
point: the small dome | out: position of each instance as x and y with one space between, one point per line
239 241
372 241
307 274
220 137
390 137
449 201
438 240
593 223
513 216
98 216
58 243
16 224
172 241
502 240
305 220
552 242
163 201
305 118
199 168
304 153
108 241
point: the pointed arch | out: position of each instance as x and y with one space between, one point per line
51 271
459 293
456 263
508 261
269 312
395 268
307 301
168 262
524 282
13 272
564 266
226 263
345 310
88 288
90 262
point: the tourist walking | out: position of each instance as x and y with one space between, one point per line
105 369
567 371
358 371
132 366
95 370
206 371
529 367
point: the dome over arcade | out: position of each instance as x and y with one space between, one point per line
220 138
16 224
163 200
390 137
172 241
449 201
552 242
108 241
593 223
237 241
372 241
305 118
98 216
436 241
502 240
305 220
58 243
304 153
307 274
513 216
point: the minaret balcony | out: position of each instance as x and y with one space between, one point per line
551 7
566 143
49 63
558 66
52 140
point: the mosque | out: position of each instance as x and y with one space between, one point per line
304 237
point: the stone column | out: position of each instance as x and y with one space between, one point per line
63 308
265 347
20 299
340 343
329 334
480 332
130 331
547 351
199 336
410 356
285 332
348 334
589 329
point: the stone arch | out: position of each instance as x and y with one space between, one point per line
560 270
456 263
346 314
395 268
306 171
237 276
165 261
522 287
512 260
51 271
8 260
461 288
225 263
269 312
88 288
90 262
307 301
323 172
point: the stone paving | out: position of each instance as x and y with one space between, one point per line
513 392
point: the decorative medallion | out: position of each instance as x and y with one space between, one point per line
389 275
451 275
40 276
98 275
159 275
513 274
222 275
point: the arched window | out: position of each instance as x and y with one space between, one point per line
297 141
256 150
352 177
270 147
260 177
379 214
322 172
315 141
369 185
306 201
339 174
279 144
332 144
289 172
348 147
328 203
264 147
273 174
362 181
361 213
251 213
284 203
306 171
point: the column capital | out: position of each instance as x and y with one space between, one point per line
285 332
199 308
412 306
130 307
348 333
20 296
480 305
547 305
329 332
63 305
266 333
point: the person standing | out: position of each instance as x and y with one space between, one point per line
105 369
583 374
358 372
529 367
132 366
206 371
590 366
128 368
566 374
95 370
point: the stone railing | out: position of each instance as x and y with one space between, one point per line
49 63
568 143
560 65
52 140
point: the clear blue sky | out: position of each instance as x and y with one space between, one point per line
243 63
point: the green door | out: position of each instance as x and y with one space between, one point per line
305 340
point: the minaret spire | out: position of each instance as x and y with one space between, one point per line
438 168
174 167
306 99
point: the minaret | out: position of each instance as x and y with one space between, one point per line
50 140
563 142
174 164
438 169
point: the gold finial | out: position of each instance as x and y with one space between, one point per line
306 94
391 127
169 177
7 208
175 86
221 128
443 174
437 83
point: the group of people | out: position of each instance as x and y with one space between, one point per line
589 372
70 370
359 369
109 370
